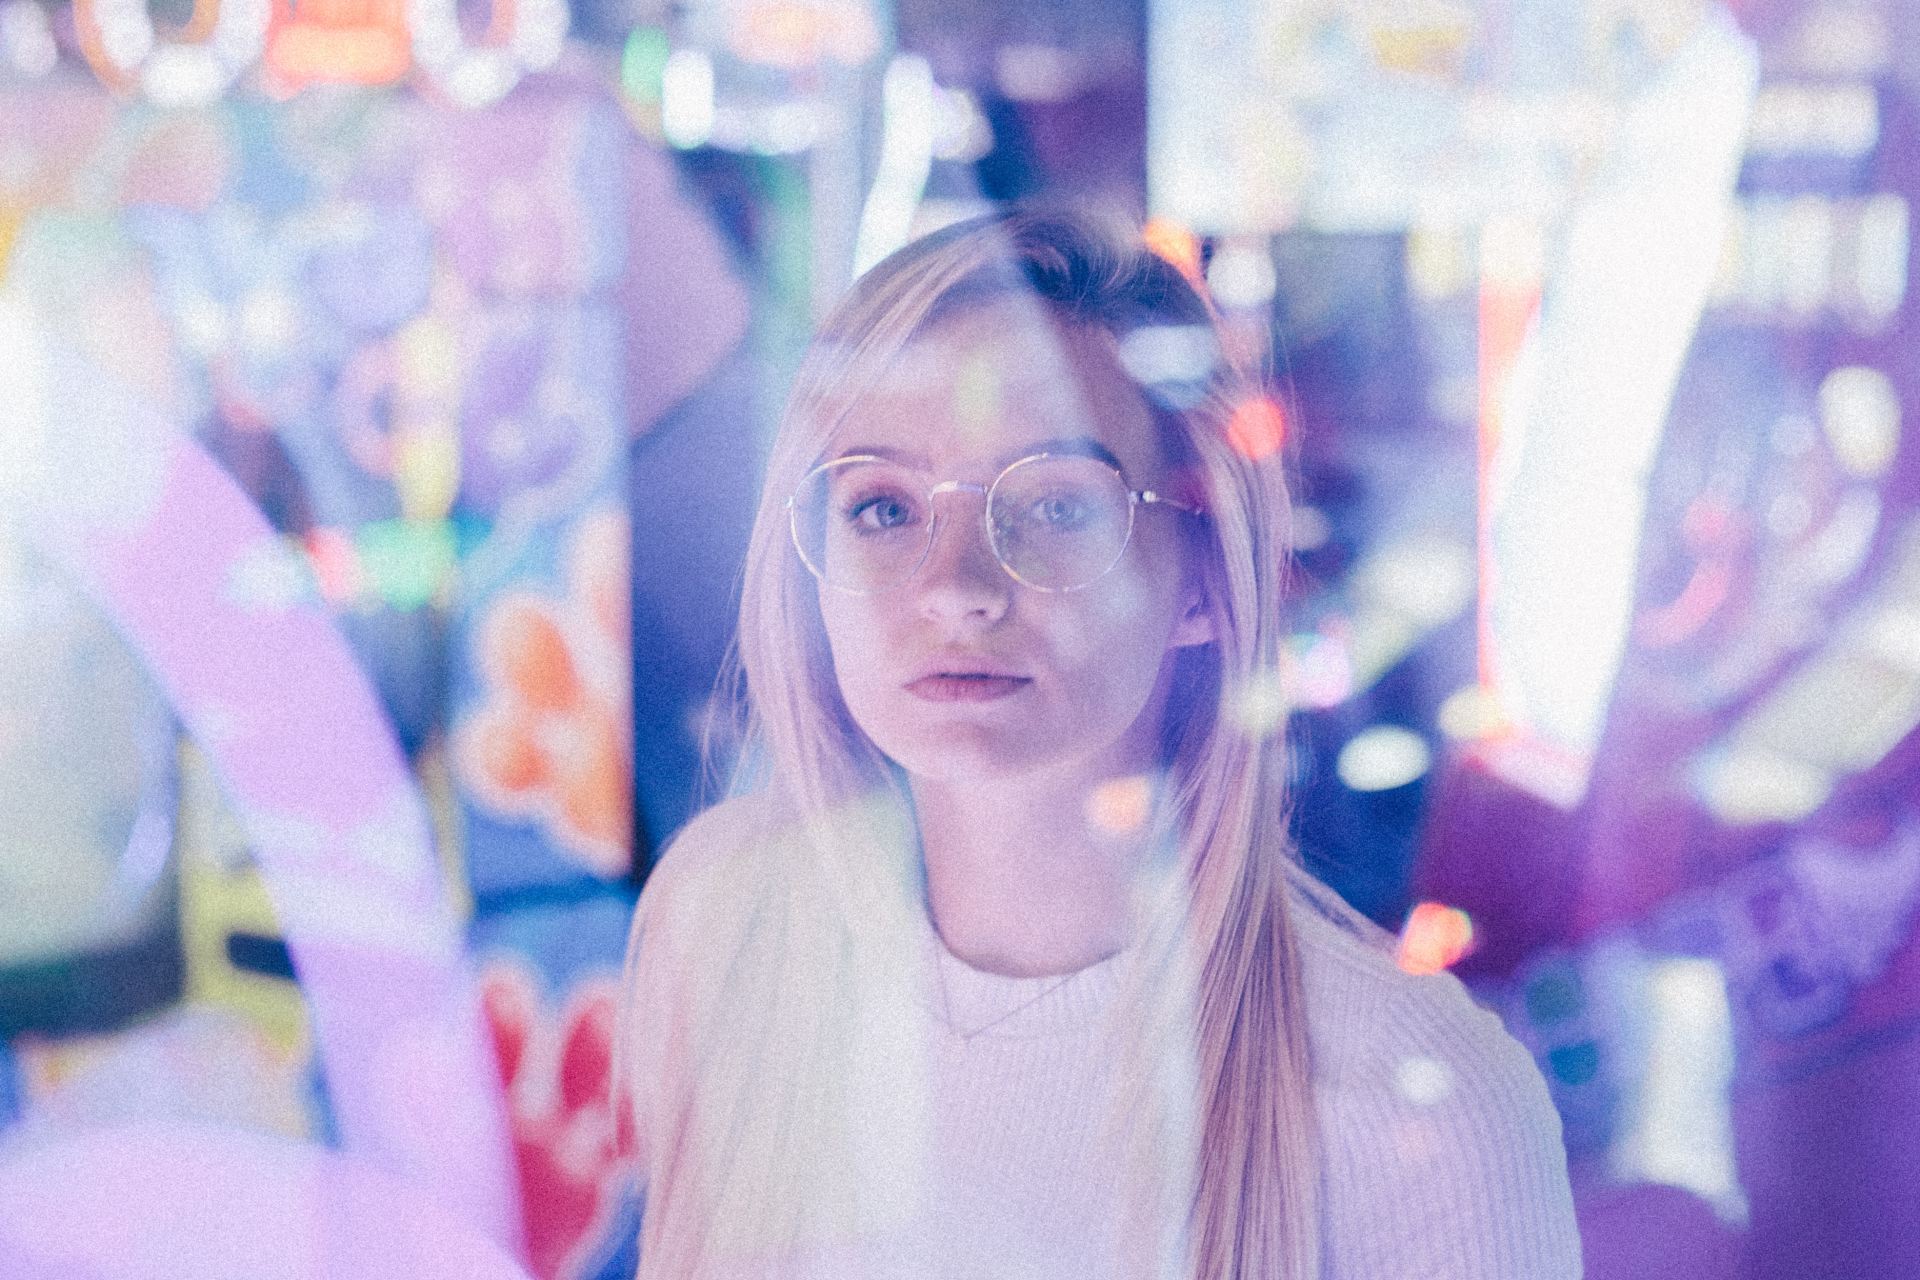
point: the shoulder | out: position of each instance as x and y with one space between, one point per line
707 892
1441 1145
1366 1013
716 865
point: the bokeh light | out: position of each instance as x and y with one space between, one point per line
1382 758
1435 937
1258 427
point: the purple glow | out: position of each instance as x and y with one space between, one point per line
267 686
168 1200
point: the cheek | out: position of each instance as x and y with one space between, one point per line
855 640
1117 640
1136 615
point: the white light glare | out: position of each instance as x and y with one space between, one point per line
906 160
1382 758
1241 275
1860 414
1423 1081
27 38
1580 430
961 133
1679 1127
1751 787
1880 248
1158 354
686 98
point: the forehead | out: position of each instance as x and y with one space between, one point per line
980 386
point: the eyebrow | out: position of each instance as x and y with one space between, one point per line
1077 446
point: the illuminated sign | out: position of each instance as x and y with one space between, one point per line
316 42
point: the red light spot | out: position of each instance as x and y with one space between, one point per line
1435 937
336 564
1257 429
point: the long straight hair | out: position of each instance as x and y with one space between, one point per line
1225 973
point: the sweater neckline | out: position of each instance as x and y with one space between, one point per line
975 1006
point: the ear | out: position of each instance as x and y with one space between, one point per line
1195 626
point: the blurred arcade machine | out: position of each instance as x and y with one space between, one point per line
330 341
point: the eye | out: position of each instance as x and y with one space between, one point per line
880 512
1059 513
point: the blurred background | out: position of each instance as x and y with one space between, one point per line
384 389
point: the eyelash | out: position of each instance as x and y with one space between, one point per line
860 506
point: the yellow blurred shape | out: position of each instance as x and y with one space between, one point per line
1472 713
1169 240
1261 704
221 894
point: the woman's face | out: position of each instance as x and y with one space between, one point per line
961 672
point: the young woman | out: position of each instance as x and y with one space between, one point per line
1002 965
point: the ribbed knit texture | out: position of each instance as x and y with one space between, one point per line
1442 1152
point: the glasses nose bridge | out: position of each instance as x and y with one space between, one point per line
935 522
957 486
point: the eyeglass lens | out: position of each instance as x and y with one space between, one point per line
1055 523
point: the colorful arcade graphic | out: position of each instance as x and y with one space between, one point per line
313 529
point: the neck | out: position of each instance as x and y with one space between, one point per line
1023 877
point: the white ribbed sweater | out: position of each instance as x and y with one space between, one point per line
1441 1150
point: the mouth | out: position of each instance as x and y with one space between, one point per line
966 686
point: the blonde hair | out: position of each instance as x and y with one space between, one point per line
1228 976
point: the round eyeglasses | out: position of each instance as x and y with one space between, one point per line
1056 522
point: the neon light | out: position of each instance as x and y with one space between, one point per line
1568 441
1241 275
26 37
524 35
643 65
1120 805
800 35
906 159
1175 244
225 37
1679 1130
1511 270
402 564
1840 712
1382 758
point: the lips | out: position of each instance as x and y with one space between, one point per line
967 686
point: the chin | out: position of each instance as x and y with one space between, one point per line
966 754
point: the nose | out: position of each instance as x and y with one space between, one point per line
961 577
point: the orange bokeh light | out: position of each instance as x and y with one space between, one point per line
1435 937
1169 240
1258 428
1120 805
337 42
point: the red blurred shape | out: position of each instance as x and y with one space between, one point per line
1435 937
336 564
557 1065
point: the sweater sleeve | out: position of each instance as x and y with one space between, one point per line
1442 1149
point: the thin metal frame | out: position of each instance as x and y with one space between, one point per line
1136 498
